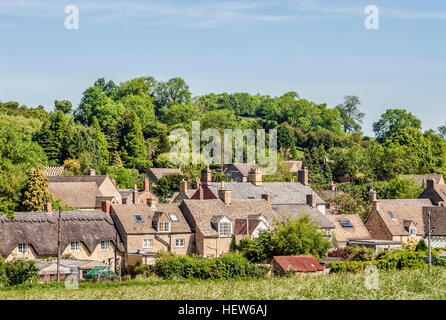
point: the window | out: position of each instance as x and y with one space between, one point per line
75 246
105 245
392 215
139 218
327 232
346 224
22 248
225 229
173 217
179 242
147 243
413 231
208 256
163 226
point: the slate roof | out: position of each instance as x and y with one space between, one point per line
281 192
403 209
243 168
158 173
39 230
80 195
125 215
298 263
203 211
358 231
437 194
295 211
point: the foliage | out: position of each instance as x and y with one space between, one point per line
350 114
421 246
393 120
125 178
346 203
168 185
36 193
17 271
289 237
410 244
355 253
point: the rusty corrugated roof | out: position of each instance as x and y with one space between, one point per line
298 263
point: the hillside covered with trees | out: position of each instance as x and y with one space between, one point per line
122 130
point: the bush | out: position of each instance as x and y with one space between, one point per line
421 246
440 262
355 253
17 271
227 266
145 270
410 244
349 266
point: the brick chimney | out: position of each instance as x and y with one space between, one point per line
302 176
267 197
48 207
146 185
332 186
183 186
135 195
200 193
255 176
206 177
106 206
311 199
372 196
224 195
91 172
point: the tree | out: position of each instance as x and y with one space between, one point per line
64 105
101 141
174 91
346 203
52 137
36 193
442 131
393 120
350 114
289 237
168 184
125 178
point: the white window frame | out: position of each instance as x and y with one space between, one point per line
183 239
77 243
144 243
163 222
224 222
21 247
105 245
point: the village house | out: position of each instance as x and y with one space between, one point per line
184 193
435 192
348 227
84 235
157 173
73 267
84 192
396 219
238 172
303 265
293 166
421 179
147 230
136 196
218 222
438 225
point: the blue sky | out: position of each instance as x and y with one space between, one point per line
319 49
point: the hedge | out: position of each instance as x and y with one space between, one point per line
227 266
17 271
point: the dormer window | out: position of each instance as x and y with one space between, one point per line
163 226
225 229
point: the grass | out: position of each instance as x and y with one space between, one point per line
406 284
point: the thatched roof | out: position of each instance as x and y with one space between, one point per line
39 230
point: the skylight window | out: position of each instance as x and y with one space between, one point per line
346 224
392 215
173 217
139 218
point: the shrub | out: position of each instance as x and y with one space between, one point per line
410 244
145 270
349 266
421 246
17 271
356 253
440 262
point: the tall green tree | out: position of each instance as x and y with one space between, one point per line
36 192
350 114
393 120
64 105
52 136
101 142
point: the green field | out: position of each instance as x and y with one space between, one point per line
408 284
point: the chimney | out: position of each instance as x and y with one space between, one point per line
106 206
200 193
267 197
224 195
332 186
302 176
311 199
91 172
206 177
430 183
146 185
255 177
376 205
48 207
183 186
135 195
372 196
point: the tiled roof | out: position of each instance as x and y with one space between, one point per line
96 179
203 211
51 171
438 220
295 211
243 168
422 178
281 192
241 226
161 172
125 214
298 263
80 195
39 229
357 231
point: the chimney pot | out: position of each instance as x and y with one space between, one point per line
183 186
372 195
